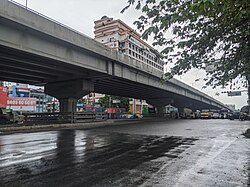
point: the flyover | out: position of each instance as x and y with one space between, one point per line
37 50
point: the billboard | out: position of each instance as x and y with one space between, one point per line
21 103
3 96
115 110
234 93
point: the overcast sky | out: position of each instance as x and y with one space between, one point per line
81 14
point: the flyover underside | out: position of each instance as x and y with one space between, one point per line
16 65
19 66
153 96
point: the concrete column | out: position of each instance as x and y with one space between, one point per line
160 109
69 92
160 104
180 109
68 104
181 112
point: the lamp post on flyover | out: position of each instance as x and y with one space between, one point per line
248 91
238 93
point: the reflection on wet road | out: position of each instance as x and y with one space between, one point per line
105 157
75 157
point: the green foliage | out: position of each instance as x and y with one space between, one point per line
81 101
247 133
205 33
106 102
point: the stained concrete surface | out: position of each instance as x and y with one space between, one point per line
161 153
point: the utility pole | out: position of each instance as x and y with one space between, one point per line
110 101
248 91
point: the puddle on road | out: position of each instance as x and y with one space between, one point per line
97 159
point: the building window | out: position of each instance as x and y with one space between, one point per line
121 44
111 39
122 50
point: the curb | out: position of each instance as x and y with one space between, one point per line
87 125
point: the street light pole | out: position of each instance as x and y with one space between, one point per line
26 5
248 91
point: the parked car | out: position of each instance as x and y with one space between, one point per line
244 116
195 115
224 113
234 115
136 116
10 116
245 113
205 114
215 115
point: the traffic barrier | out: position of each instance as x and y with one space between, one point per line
58 117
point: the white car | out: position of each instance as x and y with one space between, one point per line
216 115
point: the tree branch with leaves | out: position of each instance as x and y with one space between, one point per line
204 33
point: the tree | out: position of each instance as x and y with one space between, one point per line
206 34
107 102
81 101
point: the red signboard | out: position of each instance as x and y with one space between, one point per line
115 110
21 103
3 96
16 103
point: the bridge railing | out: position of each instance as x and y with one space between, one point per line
58 117
48 18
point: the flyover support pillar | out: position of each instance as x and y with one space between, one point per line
160 104
181 112
68 104
68 92
161 109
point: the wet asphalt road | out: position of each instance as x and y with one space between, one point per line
162 153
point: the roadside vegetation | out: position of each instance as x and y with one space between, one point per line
247 133
213 35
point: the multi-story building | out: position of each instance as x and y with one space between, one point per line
119 36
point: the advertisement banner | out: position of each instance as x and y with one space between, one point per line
3 96
21 103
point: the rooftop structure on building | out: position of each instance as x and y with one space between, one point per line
119 36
